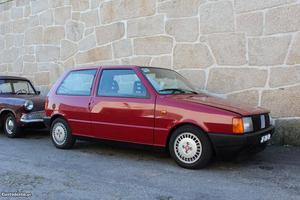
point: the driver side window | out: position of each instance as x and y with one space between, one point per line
121 83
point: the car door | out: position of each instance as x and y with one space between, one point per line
122 108
73 97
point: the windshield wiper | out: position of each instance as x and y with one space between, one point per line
173 90
191 91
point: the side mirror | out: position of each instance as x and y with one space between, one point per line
38 92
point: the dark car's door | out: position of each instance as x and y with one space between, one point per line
73 97
122 108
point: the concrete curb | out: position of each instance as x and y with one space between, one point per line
287 132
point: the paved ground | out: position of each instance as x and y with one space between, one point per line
97 171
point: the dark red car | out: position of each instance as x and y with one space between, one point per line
151 106
21 106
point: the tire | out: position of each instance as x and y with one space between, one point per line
190 147
10 126
61 134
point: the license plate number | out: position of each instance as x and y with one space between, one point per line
265 138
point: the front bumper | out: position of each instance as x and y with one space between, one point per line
230 143
33 117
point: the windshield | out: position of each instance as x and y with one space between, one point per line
167 81
19 87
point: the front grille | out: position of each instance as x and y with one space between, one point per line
33 116
256 120
267 120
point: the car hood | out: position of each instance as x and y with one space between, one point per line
220 103
38 100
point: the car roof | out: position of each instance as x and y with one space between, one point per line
114 66
105 66
13 78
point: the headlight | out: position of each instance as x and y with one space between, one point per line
248 125
242 125
28 105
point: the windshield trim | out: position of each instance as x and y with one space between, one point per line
157 92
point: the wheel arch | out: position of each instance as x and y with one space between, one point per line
4 112
55 116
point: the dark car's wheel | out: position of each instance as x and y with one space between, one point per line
10 126
190 147
61 134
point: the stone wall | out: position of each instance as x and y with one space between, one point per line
244 50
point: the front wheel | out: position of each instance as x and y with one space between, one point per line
61 134
190 147
11 128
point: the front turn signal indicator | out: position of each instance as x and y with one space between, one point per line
163 112
237 126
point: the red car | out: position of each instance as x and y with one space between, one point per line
151 106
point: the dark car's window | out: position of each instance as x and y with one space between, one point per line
5 87
14 86
77 83
167 81
23 87
121 83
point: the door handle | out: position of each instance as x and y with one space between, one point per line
89 106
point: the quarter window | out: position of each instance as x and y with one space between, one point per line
77 83
121 83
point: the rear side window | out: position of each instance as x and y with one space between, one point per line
77 83
121 83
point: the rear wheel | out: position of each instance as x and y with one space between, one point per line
190 147
11 128
61 134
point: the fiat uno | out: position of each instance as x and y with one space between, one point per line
155 107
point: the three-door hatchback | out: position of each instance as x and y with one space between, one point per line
151 106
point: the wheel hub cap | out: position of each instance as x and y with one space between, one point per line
59 133
10 126
188 148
